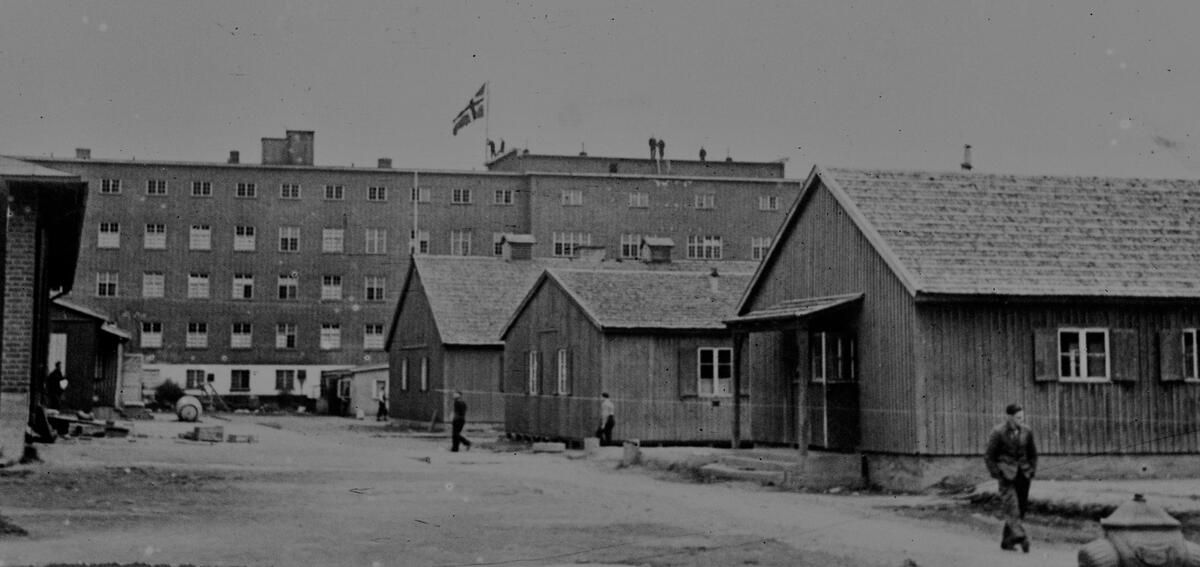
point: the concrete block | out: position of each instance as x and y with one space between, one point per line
591 446
632 454
549 447
214 433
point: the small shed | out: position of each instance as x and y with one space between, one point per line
351 390
91 351
652 339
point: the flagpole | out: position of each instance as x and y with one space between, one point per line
487 118
416 199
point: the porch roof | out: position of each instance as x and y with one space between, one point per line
794 309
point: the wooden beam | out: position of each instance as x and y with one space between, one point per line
739 340
802 374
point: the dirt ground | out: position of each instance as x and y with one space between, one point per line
331 491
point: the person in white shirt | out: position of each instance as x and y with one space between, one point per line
607 420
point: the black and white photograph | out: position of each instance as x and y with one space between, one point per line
599 283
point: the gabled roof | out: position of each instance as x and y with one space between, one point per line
106 325
647 299
15 168
975 234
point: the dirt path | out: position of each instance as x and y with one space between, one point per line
313 492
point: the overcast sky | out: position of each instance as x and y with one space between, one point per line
1087 88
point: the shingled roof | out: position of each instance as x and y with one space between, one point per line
646 299
473 297
972 233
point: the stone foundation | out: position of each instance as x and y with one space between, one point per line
918 473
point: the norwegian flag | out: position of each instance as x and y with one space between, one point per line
474 110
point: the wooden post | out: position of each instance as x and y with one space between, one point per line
802 371
739 340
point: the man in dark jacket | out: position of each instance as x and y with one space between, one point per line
1012 460
457 422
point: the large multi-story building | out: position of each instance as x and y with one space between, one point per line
259 276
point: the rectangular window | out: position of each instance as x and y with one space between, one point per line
639 200
418 241
243 238
715 369
572 197
241 336
331 336
1191 369
202 189
285 336
200 237
373 337
333 240
564 370
289 286
285 380
534 373
106 284
376 241
156 187
567 243
1083 354
705 201
109 235
376 193
334 193
110 186
460 243
768 203
497 243
759 247
243 286
195 379
503 197
197 287
404 374
154 284
425 374
246 190
289 238
289 191
239 380
704 248
197 335
831 357
631 246
380 391
420 195
460 196
374 288
155 237
331 288
152 334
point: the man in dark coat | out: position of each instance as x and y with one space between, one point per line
457 422
54 388
1012 460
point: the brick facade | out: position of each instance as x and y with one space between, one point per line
20 262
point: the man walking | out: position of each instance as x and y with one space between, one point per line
607 420
54 387
1012 460
456 424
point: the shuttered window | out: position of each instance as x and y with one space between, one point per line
1086 354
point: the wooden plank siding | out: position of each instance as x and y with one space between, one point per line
769 367
476 372
823 253
415 338
980 357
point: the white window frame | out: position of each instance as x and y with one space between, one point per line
241 335
107 284
108 235
829 350
331 287
460 196
420 195
152 334
244 238
567 244
291 283
202 189
331 336
200 237
198 285
759 246
110 186
156 187
375 241
572 197
285 333
333 240
243 287
403 374
460 242
418 241
155 237
374 337
289 191
639 200
503 197
720 387
289 239
285 379
154 285
246 191
705 247
705 201
768 202
377 193
532 374
425 374
335 193
1191 360
1079 363
562 360
498 243
197 335
237 373
631 246
374 288
194 378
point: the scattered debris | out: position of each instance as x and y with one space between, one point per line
211 433
235 438
549 447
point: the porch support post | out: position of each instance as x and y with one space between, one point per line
739 341
801 373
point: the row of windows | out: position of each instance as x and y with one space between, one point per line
247 190
241 336
714 372
154 285
424 374
1100 354
239 379
245 238
458 196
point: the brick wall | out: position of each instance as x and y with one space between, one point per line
18 299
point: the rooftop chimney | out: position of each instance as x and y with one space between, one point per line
714 281
296 148
656 250
83 153
516 247
235 156
582 150
385 163
966 164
